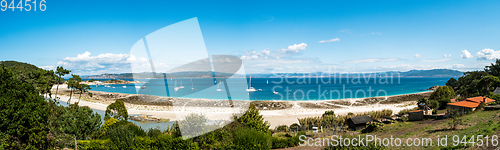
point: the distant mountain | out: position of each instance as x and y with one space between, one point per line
432 73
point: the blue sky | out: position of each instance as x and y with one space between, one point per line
93 37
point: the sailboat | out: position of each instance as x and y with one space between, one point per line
175 86
192 87
274 92
250 88
267 81
218 87
181 87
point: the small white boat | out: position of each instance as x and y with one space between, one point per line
250 88
124 86
218 87
267 81
181 87
176 89
274 92
137 87
113 87
143 87
260 89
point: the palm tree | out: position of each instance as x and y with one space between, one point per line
61 72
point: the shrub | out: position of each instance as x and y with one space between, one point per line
433 104
282 128
443 92
250 138
280 142
328 112
443 103
370 128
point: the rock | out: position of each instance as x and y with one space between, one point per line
433 88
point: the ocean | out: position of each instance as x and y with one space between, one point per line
290 89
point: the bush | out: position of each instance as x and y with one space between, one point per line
96 145
443 92
433 104
443 103
280 142
282 128
328 112
370 128
250 138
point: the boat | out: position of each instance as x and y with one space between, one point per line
250 88
137 87
113 87
259 89
218 87
175 86
124 86
267 81
181 87
192 87
143 87
274 92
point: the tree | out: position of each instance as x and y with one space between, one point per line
253 119
494 69
452 83
444 92
83 88
61 72
193 125
455 121
23 113
486 82
116 110
73 83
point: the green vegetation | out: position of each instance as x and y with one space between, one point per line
477 83
60 71
443 92
116 110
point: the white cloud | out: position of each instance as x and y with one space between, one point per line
458 66
103 63
466 54
256 55
488 54
418 55
295 48
48 67
327 41
435 60
371 60
447 55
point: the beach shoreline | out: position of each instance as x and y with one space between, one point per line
276 112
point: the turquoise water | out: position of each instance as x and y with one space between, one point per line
293 90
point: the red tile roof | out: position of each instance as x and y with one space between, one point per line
465 104
479 99
416 111
453 100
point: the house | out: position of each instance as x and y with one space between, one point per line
415 115
356 123
467 105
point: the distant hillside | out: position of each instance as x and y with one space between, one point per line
432 73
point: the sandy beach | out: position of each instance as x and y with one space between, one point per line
275 112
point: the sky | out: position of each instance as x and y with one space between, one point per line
94 37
